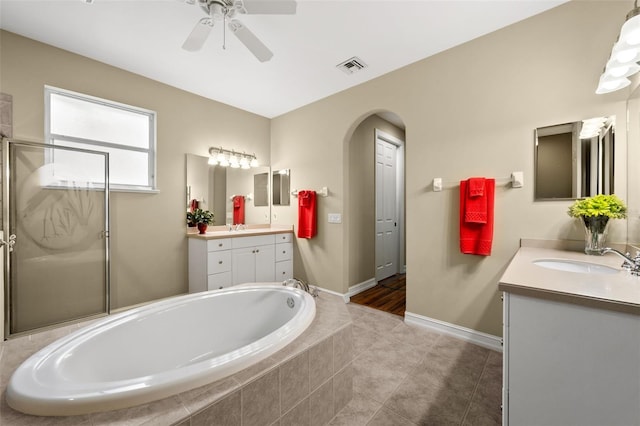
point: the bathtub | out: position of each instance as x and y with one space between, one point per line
160 349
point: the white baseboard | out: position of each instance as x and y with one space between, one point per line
473 336
353 290
335 293
359 288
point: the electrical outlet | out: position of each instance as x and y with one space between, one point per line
335 218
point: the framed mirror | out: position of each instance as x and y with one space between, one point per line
575 160
214 188
281 193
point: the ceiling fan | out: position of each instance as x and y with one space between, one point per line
225 11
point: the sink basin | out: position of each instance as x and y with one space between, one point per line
575 266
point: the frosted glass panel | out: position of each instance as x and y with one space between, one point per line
88 120
73 168
125 167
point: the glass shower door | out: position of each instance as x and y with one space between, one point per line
56 204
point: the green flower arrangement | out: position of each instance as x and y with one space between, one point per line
609 206
200 216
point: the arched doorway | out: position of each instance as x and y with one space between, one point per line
375 202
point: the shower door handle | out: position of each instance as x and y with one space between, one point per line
10 243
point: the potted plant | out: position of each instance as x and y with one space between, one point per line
595 213
202 219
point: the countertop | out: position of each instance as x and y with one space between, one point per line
223 232
618 292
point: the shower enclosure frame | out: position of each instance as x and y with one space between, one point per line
6 211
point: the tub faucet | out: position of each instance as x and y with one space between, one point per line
630 263
296 283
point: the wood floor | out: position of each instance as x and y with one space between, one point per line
388 295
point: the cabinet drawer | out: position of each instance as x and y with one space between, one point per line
219 244
283 238
284 251
218 281
284 270
218 261
257 240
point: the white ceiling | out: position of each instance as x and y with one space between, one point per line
145 37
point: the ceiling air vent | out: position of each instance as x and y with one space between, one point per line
352 65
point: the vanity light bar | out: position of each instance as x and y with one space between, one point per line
625 55
231 158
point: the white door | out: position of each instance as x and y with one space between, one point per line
387 235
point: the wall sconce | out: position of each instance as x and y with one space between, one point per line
625 55
231 158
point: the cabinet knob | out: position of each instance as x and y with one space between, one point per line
253 251
284 251
258 251
220 245
220 288
220 262
283 272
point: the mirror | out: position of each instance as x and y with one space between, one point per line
575 160
261 189
214 187
281 194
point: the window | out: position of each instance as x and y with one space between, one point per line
127 133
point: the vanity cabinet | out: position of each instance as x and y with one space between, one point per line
284 257
223 262
569 363
253 259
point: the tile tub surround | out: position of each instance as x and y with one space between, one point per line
315 367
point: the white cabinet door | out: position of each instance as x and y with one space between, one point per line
244 265
265 263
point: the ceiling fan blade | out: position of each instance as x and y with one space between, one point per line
198 35
249 39
270 7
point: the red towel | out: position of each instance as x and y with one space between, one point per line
476 236
238 209
475 209
307 222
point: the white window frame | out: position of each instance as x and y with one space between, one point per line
97 145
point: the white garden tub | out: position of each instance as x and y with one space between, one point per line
159 350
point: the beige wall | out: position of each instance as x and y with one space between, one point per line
361 197
148 244
469 111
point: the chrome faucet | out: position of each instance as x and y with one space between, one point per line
631 264
296 283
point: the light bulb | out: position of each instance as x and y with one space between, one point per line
254 162
624 53
608 84
212 161
630 31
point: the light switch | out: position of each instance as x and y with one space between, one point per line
335 218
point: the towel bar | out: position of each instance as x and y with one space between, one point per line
516 180
324 192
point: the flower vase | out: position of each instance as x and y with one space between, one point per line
595 228
202 228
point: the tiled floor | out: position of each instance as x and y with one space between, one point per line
406 376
